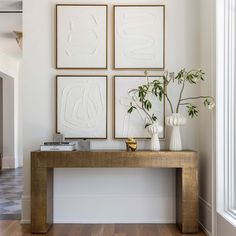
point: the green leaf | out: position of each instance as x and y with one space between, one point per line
147 104
148 124
130 110
192 110
154 118
206 102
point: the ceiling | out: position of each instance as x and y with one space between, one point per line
10 22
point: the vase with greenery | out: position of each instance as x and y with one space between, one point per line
183 77
159 88
141 102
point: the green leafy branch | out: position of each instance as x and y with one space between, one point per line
159 89
183 77
140 98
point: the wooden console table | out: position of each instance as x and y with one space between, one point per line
185 163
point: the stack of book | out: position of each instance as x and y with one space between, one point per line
58 146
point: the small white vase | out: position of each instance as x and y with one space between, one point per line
175 121
154 130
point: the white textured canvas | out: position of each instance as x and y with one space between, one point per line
139 37
81 36
133 125
81 106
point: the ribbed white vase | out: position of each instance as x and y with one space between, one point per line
154 130
175 121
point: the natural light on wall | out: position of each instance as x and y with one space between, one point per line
226 108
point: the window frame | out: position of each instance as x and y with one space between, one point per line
226 108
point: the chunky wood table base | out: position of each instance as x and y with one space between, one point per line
43 163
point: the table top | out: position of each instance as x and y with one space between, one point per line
114 159
120 150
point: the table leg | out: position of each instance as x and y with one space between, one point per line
187 199
41 199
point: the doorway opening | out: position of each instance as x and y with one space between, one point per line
11 175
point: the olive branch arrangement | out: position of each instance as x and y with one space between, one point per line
140 96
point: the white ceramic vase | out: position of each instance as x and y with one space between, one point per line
154 130
175 121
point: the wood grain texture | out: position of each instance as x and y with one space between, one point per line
115 159
0 161
42 164
187 199
42 199
14 228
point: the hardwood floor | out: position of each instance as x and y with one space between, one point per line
14 228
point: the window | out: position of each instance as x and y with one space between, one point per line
226 109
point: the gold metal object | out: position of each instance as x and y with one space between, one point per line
19 37
131 144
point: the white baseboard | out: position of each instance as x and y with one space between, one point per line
203 201
25 213
205 216
25 222
108 221
204 229
8 162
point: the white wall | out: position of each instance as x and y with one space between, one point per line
101 195
206 118
9 71
8 65
8 123
19 116
1 117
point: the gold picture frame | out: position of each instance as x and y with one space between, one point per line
115 67
57 38
106 105
115 136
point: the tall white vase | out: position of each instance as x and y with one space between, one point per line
175 121
154 130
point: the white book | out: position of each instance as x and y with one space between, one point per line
55 148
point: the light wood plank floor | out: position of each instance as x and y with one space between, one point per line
14 228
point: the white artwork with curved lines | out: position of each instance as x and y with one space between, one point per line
81 36
139 37
133 125
81 106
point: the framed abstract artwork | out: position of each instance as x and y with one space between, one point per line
133 125
139 34
81 105
81 36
